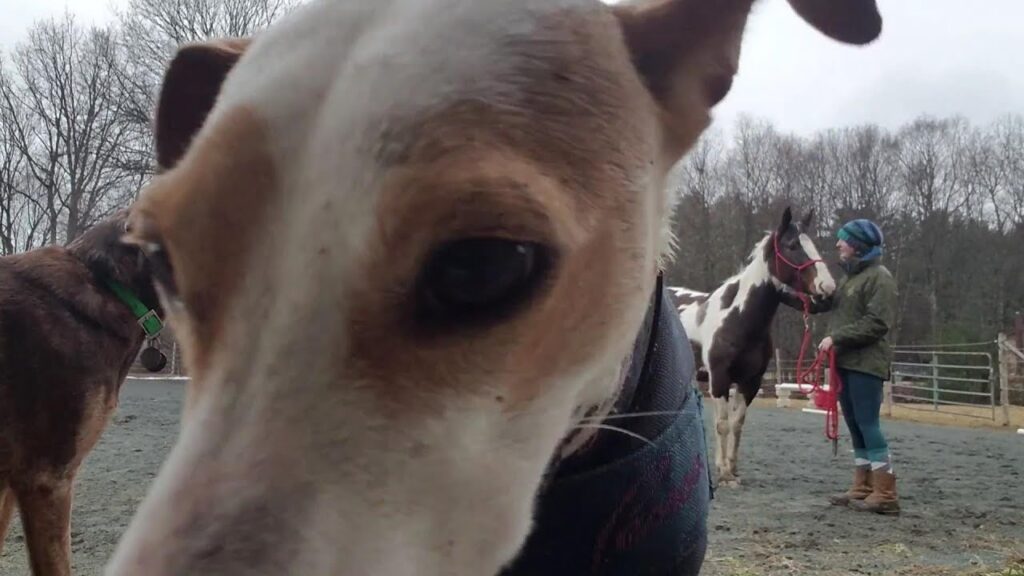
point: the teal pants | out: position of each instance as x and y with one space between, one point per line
861 400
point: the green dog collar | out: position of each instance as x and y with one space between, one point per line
147 318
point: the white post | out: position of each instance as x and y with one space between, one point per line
1004 379
778 369
174 358
887 397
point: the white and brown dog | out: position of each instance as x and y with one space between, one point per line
409 246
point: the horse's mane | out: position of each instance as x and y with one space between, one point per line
757 250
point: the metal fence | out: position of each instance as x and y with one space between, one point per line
977 380
945 381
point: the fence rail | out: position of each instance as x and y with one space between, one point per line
966 381
943 381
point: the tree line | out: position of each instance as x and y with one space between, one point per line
949 197
76 140
76 109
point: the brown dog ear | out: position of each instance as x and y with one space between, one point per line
687 51
189 91
848 21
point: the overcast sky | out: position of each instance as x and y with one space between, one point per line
938 57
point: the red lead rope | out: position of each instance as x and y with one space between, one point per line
825 398
813 376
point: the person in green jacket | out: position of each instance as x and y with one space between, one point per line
863 313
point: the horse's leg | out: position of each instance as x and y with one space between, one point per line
721 435
6 510
738 416
719 385
45 503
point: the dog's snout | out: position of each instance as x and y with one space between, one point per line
213 512
249 535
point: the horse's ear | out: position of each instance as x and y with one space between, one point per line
687 51
787 220
807 224
190 89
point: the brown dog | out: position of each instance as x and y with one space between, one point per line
67 339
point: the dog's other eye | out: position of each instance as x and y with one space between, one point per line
480 280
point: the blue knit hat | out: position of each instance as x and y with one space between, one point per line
864 235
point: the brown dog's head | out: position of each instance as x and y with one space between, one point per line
102 251
406 244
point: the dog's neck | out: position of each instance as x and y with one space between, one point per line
635 502
638 392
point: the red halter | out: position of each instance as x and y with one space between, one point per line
779 257
813 376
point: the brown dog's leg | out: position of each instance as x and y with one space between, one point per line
45 503
6 510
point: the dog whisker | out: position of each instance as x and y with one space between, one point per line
615 429
632 415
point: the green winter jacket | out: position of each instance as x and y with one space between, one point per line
863 315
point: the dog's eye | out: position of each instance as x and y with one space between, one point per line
480 280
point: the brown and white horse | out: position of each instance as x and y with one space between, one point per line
730 328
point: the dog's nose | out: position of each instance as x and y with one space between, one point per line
233 536
214 512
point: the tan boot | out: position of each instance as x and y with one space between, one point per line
860 489
883 499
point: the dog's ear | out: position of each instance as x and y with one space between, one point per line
189 91
687 51
100 248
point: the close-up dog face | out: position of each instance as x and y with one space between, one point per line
405 246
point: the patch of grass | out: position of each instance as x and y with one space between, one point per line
1014 568
894 549
734 567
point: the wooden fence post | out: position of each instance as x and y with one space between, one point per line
887 397
778 367
1004 379
935 382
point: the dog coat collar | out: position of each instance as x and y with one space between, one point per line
626 507
146 316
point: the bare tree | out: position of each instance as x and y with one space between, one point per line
998 162
698 180
934 174
63 117
152 30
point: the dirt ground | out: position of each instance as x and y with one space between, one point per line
962 492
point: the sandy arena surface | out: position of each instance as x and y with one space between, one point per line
962 493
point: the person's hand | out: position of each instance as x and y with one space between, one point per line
826 344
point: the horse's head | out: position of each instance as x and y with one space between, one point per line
794 260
